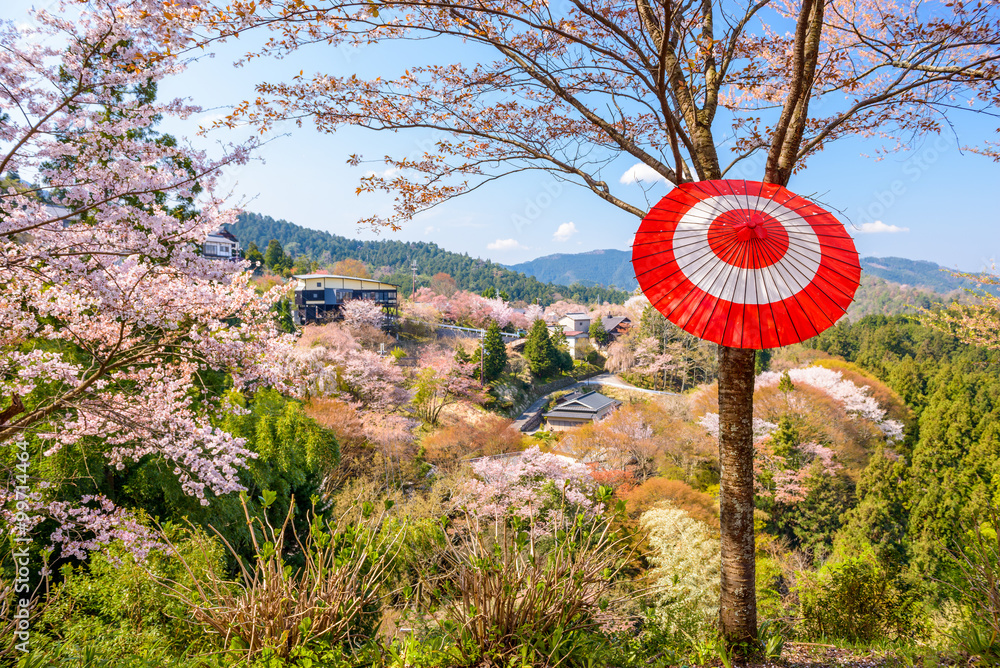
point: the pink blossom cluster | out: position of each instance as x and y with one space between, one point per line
109 312
442 381
329 361
467 308
362 312
96 522
856 400
788 479
542 488
648 360
160 422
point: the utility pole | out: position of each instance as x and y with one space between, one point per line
413 287
482 357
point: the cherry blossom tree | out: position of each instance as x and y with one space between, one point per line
542 489
856 400
691 91
110 319
361 312
329 362
441 382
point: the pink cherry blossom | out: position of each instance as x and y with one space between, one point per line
109 314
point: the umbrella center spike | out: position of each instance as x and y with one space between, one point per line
752 226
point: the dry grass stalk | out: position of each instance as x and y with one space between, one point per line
502 593
335 597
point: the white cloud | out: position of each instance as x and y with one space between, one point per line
878 227
386 173
641 172
565 231
430 229
505 244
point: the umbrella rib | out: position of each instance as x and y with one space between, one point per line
677 270
797 263
758 247
767 269
777 276
803 291
729 314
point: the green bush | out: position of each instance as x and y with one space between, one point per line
856 600
115 609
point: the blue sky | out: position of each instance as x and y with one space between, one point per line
932 203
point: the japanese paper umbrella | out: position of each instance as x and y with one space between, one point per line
745 264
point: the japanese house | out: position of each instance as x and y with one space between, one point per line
577 409
615 326
318 297
221 245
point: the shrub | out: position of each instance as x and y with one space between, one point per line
976 580
491 435
275 610
686 569
856 600
115 607
505 600
698 505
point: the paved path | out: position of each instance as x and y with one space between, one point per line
612 380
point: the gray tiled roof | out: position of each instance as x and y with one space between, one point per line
611 322
582 407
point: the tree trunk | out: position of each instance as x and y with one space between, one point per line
738 601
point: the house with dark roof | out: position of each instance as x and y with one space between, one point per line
221 245
319 297
578 408
616 325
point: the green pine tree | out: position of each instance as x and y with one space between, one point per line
598 333
541 354
496 353
274 255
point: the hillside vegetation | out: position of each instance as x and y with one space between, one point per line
390 261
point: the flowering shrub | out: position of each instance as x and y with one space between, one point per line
686 568
540 488
329 361
783 477
440 382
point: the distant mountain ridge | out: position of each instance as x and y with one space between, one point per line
609 266
612 267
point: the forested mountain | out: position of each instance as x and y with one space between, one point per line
614 267
598 267
390 261
918 273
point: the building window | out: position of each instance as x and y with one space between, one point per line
319 284
211 249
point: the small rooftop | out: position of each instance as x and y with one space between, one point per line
306 277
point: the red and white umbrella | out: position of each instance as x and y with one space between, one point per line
745 264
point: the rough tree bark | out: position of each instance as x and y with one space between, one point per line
738 601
